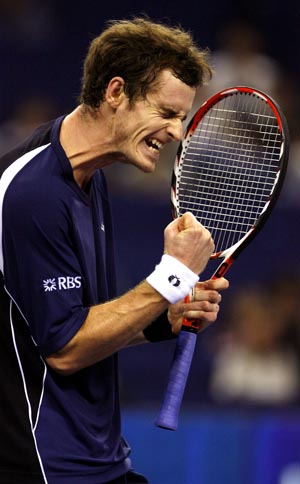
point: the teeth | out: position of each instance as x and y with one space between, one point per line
154 143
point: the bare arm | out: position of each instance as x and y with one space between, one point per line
118 323
110 327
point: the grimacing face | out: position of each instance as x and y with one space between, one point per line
142 129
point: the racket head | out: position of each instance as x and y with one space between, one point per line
231 165
228 172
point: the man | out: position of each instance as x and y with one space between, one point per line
61 323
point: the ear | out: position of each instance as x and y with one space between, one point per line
115 92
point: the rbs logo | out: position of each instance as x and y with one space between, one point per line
62 283
68 282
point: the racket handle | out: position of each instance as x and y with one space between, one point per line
183 355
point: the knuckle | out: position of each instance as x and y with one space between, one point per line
206 306
214 317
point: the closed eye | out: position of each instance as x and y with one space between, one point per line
170 114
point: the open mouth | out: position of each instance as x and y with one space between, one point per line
154 144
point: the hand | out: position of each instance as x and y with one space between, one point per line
204 307
188 241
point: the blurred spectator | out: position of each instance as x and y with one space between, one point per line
284 290
255 362
240 59
290 195
292 181
30 21
29 114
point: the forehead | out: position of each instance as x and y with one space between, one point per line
171 91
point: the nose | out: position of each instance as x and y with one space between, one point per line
175 129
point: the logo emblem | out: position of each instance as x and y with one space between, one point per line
49 285
174 280
61 283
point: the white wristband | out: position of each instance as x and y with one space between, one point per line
172 279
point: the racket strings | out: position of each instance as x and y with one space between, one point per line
229 167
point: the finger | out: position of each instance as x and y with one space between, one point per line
207 295
180 224
186 220
176 327
218 284
202 307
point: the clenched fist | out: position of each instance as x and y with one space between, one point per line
189 242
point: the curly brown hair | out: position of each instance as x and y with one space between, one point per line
138 50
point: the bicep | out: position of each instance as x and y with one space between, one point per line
43 275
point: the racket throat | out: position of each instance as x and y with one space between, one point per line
191 326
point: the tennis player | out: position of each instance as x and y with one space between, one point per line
62 324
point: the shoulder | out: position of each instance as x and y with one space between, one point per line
40 137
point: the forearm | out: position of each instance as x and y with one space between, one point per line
110 327
119 323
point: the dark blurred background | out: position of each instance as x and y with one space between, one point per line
240 418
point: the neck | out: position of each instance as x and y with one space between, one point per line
87 142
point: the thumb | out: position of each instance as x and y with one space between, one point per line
186 221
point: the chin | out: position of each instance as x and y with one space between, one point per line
148 167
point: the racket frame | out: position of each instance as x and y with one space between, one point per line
169 411
230 254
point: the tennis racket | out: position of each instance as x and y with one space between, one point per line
228 172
